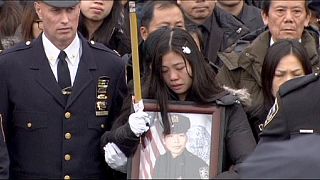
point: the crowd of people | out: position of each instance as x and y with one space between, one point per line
66 84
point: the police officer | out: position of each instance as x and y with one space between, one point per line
296 110
178 162
58 95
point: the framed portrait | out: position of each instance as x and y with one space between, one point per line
191 150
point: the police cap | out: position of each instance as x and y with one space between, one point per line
62 3
179 124
314 5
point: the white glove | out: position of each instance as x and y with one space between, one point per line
115 158
139 122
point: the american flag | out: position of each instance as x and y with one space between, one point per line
152 148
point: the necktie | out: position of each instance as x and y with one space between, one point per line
64 79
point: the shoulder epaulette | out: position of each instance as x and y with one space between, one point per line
100 46
17 47
297 83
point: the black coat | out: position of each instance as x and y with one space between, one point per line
238 139
38 118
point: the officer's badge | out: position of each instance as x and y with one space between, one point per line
102 96
272 112
204 172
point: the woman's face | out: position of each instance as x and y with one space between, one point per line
96 10
177 74
288 68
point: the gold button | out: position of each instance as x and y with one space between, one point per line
102 126
67 157
29 125
67 177
67 135
67 115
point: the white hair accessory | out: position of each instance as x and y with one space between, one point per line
186 50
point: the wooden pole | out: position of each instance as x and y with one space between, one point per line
135 51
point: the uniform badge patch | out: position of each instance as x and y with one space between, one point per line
204 172
272 112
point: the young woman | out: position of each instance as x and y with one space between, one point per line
285 60
179 72
103 21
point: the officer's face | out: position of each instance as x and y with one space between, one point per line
176 143
197 11
59 24
163 17
286 19
96 10
288 68
177 74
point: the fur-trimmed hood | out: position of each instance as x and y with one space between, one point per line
241 94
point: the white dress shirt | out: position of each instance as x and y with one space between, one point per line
73 52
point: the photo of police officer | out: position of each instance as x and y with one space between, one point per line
178 162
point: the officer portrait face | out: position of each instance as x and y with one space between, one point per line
176 143
286 19
288 68
197 11
177 73
59 24
96 10
163 17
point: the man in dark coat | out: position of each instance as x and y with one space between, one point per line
178 162
58 95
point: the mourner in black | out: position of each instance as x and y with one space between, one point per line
178 162
295 111
54 121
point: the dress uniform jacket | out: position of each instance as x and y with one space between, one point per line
296 110
47 136
184 166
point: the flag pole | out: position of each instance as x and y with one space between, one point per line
135 51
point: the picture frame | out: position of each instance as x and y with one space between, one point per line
204 141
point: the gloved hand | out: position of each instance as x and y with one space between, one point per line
115 158
139 122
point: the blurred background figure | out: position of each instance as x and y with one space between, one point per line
250 16
10 18
31 26
314 6
103 21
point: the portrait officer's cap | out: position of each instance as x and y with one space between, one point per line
315 6
62 3
179 124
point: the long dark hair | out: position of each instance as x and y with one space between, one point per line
10 18
28 18
204 87
274 55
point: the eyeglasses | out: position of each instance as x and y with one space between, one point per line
40 24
